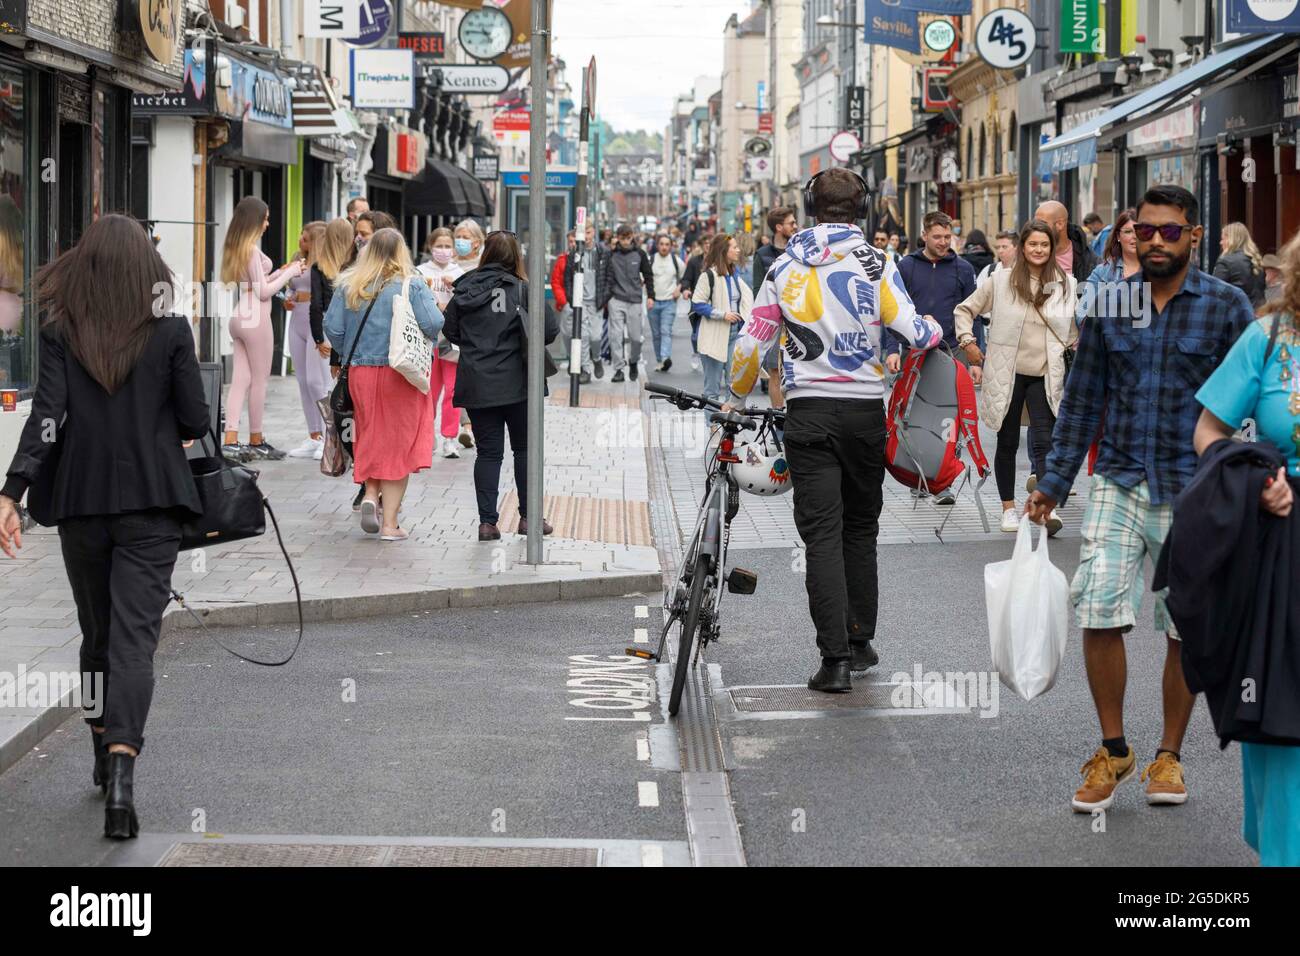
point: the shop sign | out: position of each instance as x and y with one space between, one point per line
160 27
194 98
935 96
1263 16
406 152
1081 30
1005 38
331 19
487 166
1168 132
425 46
765 122
890 25
555 179
257 94
1250 104
383 79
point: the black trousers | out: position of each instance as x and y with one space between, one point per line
836 452
490 426
120 568
1028 390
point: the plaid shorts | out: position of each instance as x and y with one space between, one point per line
1121 528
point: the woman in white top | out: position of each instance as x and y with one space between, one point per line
440 272
1032 308
723 301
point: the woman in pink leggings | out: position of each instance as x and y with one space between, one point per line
243 262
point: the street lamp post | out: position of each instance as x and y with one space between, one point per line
536 280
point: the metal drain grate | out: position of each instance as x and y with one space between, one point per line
336 854
766 699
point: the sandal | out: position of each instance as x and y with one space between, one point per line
397 534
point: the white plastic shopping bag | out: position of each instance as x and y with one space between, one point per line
1027 599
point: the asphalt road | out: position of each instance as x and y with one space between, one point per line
458 729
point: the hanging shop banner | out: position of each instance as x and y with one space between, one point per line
935 97
331 19
407 150
487 166
1081 30
160 27
194 98
855 108
376 21
425 46
257 94
1263 16
890 25
383 79
952 8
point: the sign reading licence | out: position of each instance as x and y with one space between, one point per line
383 79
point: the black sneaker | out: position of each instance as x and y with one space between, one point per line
832 678
864 657
265 450
235 452
599 367
668 363
632 371
361 493
618 376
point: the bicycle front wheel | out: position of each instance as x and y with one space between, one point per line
689 625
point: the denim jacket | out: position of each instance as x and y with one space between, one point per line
341 323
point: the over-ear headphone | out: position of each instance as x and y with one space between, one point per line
864 201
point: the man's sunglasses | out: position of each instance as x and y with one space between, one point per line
1169 232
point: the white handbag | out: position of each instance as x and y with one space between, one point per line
410 351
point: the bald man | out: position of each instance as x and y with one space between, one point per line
1072 252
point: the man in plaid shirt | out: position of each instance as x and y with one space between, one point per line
1139 369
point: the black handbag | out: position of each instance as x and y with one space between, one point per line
341 399
549 367
233 507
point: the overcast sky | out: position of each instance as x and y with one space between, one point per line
647 51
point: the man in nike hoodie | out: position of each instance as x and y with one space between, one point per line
831 296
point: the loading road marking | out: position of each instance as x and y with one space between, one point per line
647 793
641 610
652 855
642 747
640 635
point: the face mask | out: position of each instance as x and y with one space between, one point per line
892 247
956 230
359 241
441 256
463 247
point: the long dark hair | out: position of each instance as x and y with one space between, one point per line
502 248
103 296
1051 280
1114 252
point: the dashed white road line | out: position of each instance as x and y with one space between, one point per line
641 610
647 793
640 635
642 748
652 855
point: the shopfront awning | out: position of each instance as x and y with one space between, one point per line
1078 147
444 189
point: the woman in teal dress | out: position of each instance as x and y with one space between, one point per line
1246 386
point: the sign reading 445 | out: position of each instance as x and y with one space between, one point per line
1005 38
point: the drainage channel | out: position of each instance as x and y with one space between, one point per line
712 832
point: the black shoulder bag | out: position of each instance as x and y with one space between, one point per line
233 508
341 399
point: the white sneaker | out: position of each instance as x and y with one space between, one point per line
311 448
695 363
1054 524
320 452
450 448
1010 521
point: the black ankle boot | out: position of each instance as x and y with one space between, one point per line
101 761
831 678
120 822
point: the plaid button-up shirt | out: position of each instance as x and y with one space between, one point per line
1135 378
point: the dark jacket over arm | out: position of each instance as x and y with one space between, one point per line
322 291
85 452
1235 268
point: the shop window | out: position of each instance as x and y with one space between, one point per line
17 339
970 153
997 152
983 148
1012 132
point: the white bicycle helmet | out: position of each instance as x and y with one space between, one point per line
760 473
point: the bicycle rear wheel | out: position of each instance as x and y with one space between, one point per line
689 625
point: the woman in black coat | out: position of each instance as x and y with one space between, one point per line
118 374
486 319
1240 263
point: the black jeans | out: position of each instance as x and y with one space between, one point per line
490 426
120 568
836 452
1030 390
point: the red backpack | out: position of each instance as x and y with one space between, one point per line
932 417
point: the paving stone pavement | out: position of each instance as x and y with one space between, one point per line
592 452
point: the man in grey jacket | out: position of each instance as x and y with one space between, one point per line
627 273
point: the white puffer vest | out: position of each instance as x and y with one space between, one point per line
1007 317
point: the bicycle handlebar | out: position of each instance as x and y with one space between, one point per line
686 401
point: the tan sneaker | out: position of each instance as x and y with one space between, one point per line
1101 775
1164 777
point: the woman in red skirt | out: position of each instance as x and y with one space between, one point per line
394 435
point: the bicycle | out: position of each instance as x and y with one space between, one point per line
696 598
